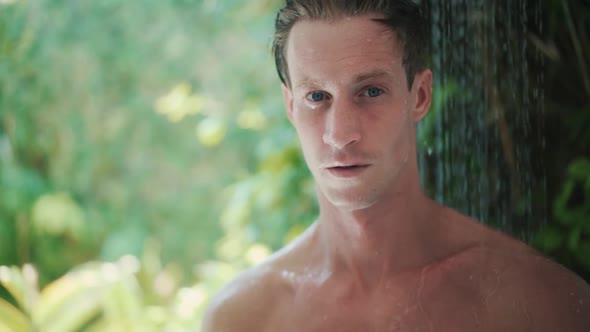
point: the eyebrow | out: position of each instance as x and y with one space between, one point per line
308 82
371 75
379 73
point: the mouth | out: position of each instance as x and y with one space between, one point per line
347 167
347 171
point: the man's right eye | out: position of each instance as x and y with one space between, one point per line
316 96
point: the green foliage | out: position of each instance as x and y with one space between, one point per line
126 130
22 286
271 207
115 118
568 239
101 296
566 49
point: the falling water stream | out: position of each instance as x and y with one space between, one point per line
481 148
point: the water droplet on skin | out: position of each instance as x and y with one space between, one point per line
288 275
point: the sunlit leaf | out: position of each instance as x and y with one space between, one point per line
179 103
70 301
257 253
58 214
211 131
231 246
214 274
12 279
12 319
252 118
7 2
188 302
123 305
238 209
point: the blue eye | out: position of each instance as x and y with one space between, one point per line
317 96
373 92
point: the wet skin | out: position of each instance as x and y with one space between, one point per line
492 283
382 256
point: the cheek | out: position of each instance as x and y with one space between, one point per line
310 133
394 132
307 123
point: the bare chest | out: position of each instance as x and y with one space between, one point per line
419 305
386 316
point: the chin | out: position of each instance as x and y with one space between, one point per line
347 200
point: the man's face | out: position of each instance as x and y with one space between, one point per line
353 112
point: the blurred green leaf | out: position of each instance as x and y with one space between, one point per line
583 254
569 215
573 240
21 285
70 302
58 214
580 169
12 319
548 239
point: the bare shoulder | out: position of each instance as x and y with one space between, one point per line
257 296
523 289
560 298
519 289
244 303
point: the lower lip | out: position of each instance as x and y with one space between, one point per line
345 172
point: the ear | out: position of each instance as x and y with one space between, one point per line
423 94
288 99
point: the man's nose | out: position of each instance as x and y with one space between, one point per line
343 125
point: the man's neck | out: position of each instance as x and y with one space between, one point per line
375 243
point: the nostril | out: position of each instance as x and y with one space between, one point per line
341 139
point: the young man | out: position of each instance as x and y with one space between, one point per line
382 256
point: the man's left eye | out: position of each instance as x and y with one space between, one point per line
373 92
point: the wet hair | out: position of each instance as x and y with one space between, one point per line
404 17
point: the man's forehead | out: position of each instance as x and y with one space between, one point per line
347 51
357 78
348 30
341 41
